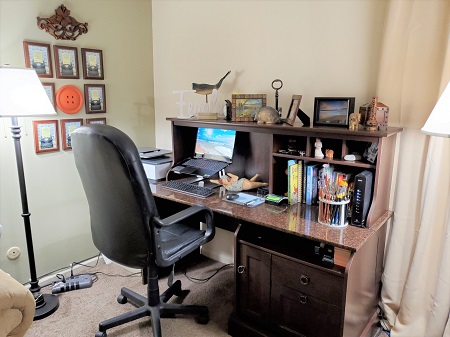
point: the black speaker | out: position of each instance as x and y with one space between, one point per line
361 198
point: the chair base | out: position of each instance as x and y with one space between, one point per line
157 311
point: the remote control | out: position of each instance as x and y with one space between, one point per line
72 283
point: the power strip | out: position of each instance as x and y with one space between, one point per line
72 283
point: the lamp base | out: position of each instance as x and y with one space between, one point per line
46 304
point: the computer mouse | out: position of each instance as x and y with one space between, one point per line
232 196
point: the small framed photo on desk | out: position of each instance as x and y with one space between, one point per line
333 111
292 113
245 106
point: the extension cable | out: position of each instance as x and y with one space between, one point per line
72 283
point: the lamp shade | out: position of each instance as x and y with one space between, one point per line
438 123
22 94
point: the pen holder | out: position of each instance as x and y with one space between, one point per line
333 213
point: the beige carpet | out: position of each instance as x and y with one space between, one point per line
80 311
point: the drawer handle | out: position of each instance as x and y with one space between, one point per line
304 280
303 299
241 269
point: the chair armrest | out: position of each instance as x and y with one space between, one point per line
186 213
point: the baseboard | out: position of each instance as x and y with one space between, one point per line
49 279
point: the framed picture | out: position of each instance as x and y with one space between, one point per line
245 106
293 109
333 111
67 127
92 63
66 62
38 57
95 98
46 136
96 120
50 90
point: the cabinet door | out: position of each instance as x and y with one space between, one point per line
253 282
299 314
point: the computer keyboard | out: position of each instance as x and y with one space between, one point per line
206 164
186 188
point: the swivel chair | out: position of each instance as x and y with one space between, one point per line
126 226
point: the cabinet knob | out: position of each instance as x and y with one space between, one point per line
304 280
303 299
241 269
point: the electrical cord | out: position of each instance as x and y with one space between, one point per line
204 280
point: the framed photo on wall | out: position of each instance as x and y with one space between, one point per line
293 109
333 111
38 57
245 106
50 90
46 137
96 120
66 62
67 127
92 64
95 98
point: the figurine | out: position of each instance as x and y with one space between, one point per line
318 151
233 183
329 153
206 89
354 120
371 123
267 115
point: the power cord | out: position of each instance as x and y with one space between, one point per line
204 280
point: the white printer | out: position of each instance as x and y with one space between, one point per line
156 162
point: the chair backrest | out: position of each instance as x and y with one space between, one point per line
121 203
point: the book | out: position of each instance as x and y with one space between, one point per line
310 168
300 180
292 182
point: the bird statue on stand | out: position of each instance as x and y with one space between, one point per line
206 89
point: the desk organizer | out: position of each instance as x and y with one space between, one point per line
333 213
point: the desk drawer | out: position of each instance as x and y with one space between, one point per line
323 285
299 314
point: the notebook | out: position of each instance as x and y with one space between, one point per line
213 152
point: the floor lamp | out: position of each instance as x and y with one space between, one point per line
22 95
438 123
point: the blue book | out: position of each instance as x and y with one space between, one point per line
310 183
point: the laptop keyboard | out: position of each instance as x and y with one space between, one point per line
206 164
182 187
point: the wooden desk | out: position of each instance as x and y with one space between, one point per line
284 285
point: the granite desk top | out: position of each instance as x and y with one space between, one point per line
298 219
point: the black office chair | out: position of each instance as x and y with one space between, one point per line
126 226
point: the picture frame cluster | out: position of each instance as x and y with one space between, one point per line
38 56
47 133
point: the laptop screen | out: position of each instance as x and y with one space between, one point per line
215 144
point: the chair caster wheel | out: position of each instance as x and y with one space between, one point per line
203 319
120 299
100 334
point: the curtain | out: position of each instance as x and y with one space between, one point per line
414 69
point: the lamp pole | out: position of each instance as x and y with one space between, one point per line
46 304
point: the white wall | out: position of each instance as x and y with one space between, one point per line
317 48
59 212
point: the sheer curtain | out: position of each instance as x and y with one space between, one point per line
414 69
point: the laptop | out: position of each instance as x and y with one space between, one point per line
213 152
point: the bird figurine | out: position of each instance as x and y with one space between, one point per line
206 89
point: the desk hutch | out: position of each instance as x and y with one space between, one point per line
283 287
